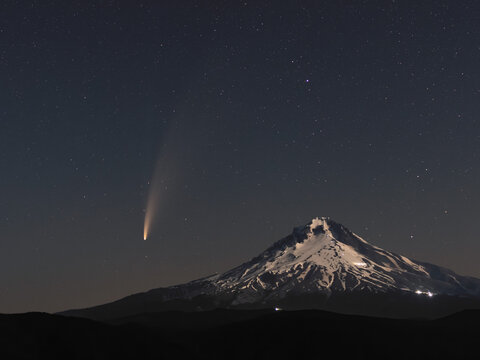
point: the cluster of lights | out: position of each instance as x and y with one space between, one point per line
419 292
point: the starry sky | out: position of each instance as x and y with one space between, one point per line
260 116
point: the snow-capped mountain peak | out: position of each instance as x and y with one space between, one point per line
324 256
321 257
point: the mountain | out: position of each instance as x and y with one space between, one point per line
319 265
325 256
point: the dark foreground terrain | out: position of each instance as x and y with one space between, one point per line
239 334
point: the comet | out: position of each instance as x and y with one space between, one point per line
152 205
164 175
158 190
146 226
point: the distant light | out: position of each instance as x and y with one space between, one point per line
277 309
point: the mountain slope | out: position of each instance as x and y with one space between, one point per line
322 258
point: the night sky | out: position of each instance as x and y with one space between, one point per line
260 117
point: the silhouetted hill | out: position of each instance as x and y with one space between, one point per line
239 334
45 336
